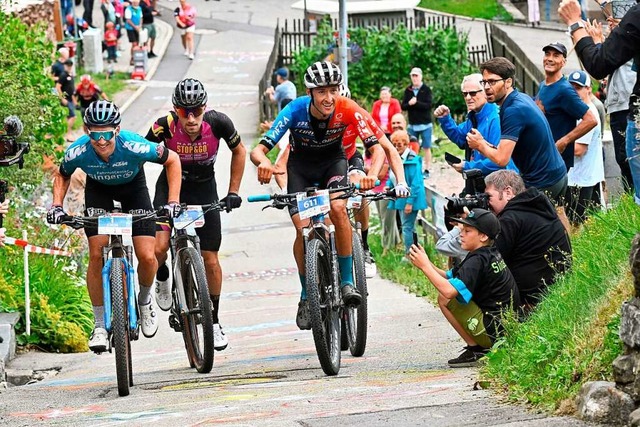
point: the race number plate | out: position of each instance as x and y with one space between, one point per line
190 217
309 206
354 202
115 224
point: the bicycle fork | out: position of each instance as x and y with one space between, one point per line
127 267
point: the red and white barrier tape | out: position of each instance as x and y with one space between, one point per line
35 249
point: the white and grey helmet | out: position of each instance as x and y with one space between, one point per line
189 93
102 113
322 74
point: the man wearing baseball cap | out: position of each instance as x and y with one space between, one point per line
417 102
561 104
474 295
587 173
284 92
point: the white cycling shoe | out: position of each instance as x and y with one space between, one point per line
163 291
99 340
148 319
220 341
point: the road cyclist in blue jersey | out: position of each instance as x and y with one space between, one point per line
113 160
317 124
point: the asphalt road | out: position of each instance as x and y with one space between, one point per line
269 375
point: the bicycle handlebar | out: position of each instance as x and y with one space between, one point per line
259 198
79 221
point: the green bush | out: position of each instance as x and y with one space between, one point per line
61 311
389 55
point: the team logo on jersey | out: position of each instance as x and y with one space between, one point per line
339 116
137 147
118 164
74 152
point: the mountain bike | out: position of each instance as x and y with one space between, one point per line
322 271
355 319
121 315
191 312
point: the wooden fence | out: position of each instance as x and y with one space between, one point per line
528 75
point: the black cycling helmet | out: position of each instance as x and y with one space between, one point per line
322 74
102 113
189 93
13 126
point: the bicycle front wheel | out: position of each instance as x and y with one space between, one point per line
355 319
198 317
120 328
325 318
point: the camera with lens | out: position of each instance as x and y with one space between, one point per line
475 196
12 150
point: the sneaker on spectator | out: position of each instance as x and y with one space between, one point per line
186 53
148 319
220 341
303 318
469 357
350 295
191 56
370 268
99 340
163 291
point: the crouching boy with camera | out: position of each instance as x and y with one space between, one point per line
474 295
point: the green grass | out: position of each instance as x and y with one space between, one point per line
572 336
485 9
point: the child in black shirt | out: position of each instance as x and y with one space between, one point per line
473 295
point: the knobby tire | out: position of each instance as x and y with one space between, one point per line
355 319
198 321
325 319
120 328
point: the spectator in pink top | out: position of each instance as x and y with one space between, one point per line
384 109
185 15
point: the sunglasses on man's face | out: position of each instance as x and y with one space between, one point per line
472 93
184 112
106 135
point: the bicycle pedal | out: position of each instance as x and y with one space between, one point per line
174 323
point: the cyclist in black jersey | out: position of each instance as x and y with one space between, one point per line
196 136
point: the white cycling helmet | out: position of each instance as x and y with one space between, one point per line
322 74
344 90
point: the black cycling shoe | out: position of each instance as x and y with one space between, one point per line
350 295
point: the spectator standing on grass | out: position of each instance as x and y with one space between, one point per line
111 41
149 25
474 295
561 104
284 92
185 15
533 241
65 87
410 206
587 173
482 116
133 24
622 45
618 89
384 109
417 102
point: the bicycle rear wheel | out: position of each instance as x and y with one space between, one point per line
120 328
325 318
355 319
198 318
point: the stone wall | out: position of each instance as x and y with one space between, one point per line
35 12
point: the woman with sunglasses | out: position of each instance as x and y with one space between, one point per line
196 136
480 115
113 160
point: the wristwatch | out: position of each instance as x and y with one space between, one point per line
575 27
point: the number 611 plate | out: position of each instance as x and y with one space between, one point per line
309 206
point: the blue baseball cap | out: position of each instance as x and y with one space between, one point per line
282 72
580 77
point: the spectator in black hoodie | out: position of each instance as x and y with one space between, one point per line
533 241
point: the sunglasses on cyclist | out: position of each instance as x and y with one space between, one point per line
107 135
184 112
472 93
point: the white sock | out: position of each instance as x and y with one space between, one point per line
98 316
144 296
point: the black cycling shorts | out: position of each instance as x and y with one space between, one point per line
133 196
356 162
303 173
195 193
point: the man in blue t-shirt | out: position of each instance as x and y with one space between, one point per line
561 104
284 92
525 133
